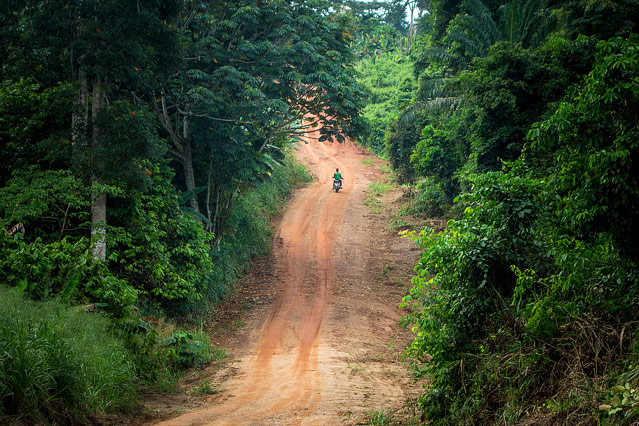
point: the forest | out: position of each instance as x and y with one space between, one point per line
519 124
144 146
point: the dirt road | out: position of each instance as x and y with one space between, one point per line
323 347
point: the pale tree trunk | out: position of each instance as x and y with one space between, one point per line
98 199
98 221
187 163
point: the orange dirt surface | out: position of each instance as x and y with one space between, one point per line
319 342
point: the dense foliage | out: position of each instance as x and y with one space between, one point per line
143 146
389 77
523 131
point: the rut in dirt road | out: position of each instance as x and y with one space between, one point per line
292 377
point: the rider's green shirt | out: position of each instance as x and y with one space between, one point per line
337 176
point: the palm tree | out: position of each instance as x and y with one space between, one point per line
470 35
519 21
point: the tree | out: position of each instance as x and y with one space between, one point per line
255 76
107 44
543 247
602 20
594 140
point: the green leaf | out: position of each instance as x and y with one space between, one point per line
65 296
186 196
22 286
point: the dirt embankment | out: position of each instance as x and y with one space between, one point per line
317 342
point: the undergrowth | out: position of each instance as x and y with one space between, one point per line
58 364
248 234
376 190
525 307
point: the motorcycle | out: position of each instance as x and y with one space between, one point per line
337 185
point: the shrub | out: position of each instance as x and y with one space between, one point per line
429 200
63 269
187 350
528 303
464 277
161 251
248 234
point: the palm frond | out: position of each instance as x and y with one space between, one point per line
526 21
482 23
408 117
472 46
435 105
434 87
474 31
442 104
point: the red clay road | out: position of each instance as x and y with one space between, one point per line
298 371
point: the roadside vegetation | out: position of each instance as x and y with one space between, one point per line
143 146
521 130
57 361
70 355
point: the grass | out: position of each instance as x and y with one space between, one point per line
383 273
376 190
58 364
235 324
167 381
205 388
380 188
386 169
401 219
378 418
374 204
368 162
213 353
406 416
354 368
397 223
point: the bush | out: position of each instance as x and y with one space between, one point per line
464 276
248 233
59 364
528 304
187 350
429 200
160 250
64 270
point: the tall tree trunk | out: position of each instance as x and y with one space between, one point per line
181 150
98 199
209 187
187 158
98 220
80 114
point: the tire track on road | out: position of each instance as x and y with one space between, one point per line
283 375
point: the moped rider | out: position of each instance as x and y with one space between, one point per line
338 177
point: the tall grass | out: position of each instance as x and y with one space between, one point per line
59 364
